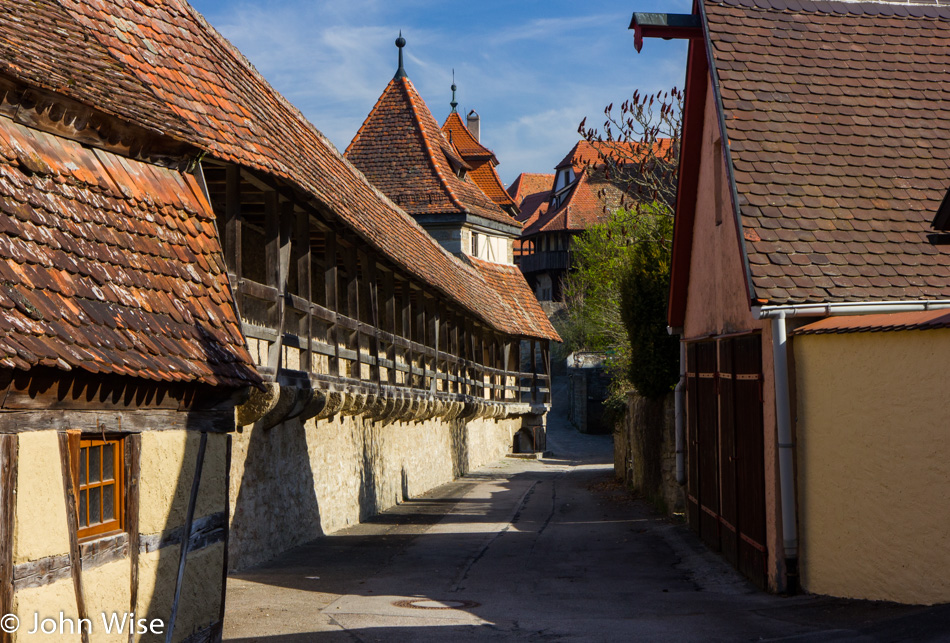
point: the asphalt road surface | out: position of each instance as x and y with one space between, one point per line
543 550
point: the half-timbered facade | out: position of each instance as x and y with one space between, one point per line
184 256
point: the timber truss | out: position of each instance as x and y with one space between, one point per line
337 328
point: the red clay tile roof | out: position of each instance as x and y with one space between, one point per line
587 153
837 121
110 265
455 130
588 202
173 72
520 302
527 184
482 160
534 206
925 320
402 151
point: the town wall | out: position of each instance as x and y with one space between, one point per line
874 465
298 481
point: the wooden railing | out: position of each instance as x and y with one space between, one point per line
322 304
369 356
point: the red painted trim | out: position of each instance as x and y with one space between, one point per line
697 77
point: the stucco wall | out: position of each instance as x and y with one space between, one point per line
167 469
293 483
874 465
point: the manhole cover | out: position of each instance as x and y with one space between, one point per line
430 604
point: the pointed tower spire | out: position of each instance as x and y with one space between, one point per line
454 103
400 42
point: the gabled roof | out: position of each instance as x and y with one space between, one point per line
110 265
402 151
591 153
588 201
160 66
836 125
458 134
481 159
527 184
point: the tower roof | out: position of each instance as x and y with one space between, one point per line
402 151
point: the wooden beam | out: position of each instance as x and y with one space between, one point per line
232 225
368 262
186 537
69 446
133 466
406 329
8 477
389 302
331 280
302 257
353 310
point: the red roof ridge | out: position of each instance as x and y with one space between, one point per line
477 149
407 85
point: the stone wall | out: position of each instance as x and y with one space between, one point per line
297 481
645 451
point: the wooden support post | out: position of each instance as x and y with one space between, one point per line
434 330
302 258
456 350
506 361
133 466
186 536
278 222
8 476
370 285
232 228
406 329
66 453
546 363
389 299
534 371
420 337
331 282
353 310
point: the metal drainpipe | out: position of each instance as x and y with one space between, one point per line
783 422
679 397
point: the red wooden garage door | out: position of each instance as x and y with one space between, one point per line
726 469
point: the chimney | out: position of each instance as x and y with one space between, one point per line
472 122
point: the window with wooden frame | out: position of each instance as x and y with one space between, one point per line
98 466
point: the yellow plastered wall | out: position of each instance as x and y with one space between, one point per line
873 452
48 601
200 602
168 468
167 472
41 501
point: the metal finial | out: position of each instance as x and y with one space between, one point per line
454 104
400 42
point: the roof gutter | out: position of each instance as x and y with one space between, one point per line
783 418
849 308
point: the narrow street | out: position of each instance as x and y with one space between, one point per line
528 550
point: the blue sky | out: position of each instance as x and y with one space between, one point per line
531 69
